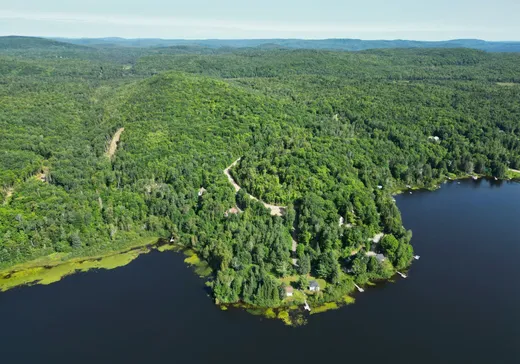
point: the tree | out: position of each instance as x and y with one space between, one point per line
389 245
359 265
75 241
303 282
304 265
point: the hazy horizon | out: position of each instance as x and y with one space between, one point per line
269 19
257 39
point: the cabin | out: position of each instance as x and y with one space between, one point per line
341 221
380 257
314 286
289 290
202 191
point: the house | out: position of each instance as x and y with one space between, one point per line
380 257
314 286
201 191
289 290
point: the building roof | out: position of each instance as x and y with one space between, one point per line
289 289
380 257
313 284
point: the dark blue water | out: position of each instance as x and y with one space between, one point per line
460 303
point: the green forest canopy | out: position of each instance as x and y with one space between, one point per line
330 135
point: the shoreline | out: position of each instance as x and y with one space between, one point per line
511 175
52 268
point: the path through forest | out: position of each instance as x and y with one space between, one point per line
275 210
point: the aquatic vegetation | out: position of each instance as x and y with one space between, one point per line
349 299
202 268
269 313
192 257
324 307
55 267
285 317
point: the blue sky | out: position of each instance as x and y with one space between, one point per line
231 19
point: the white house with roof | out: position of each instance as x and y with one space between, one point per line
314 286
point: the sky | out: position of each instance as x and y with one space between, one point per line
240 19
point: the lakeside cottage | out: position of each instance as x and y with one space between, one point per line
314 286
289 290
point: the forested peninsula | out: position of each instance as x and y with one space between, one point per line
103 149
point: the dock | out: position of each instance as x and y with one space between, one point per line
402 274
359 288
306 306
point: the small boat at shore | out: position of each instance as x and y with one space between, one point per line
474 178
416 257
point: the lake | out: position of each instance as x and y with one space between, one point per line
460 303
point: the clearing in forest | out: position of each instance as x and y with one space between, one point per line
8 193
113 143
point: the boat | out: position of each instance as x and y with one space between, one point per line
474 178
416 257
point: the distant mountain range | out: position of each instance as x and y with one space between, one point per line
19 43
329 44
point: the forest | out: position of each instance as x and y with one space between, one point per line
328 135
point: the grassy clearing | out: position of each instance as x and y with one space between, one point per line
513 174
53 268
289 280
